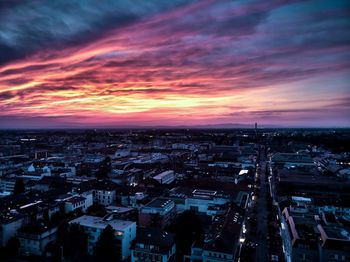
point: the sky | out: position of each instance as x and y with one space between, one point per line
110 63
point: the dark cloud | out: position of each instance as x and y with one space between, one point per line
195 56
6 95
29 26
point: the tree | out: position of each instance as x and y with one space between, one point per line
188 229
19 187
73 239
104 168
106 246
97 210
12 247
78 242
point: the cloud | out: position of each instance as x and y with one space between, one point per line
30 26
185 61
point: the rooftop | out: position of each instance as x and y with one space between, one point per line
9 218
292 157
227 240
336 232
202 192
155 236
118 209
75 199
101 223
164 174
159 203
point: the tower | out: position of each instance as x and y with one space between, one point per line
256 130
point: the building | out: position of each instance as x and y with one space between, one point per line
210 202
9 224
123 152
300 235
292 160
75 203
34 238
161 209
335 243
223 241
125 231
7 184
206 201
104 194
123 213
153 245
308 236
166 177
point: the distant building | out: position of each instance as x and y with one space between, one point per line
9 224
153 245
166 177
335 243
210 202
123 213
221 245
34 238
161 209
75 203
308 236
125 231
299 235
104 194
292 160
120 153
7 184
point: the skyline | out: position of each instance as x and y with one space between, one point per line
185 63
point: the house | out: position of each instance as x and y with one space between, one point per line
34 238
75 203
223 241
161 209
153 244
335 243
9 224
166 177
104 193
125 231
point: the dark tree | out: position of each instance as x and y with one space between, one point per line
105 168
12 247
19 187
55 250
56 218
73 240
106 246
188 229
97 210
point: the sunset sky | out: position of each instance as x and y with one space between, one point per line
108 63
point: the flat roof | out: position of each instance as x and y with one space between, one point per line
75 199
228 238
163 174
337 232
98 222
118 209
159 203
9 218
292 157
204 192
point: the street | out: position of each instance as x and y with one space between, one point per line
261 211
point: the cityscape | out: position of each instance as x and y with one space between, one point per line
175 195
174 131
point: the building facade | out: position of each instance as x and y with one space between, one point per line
124 231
